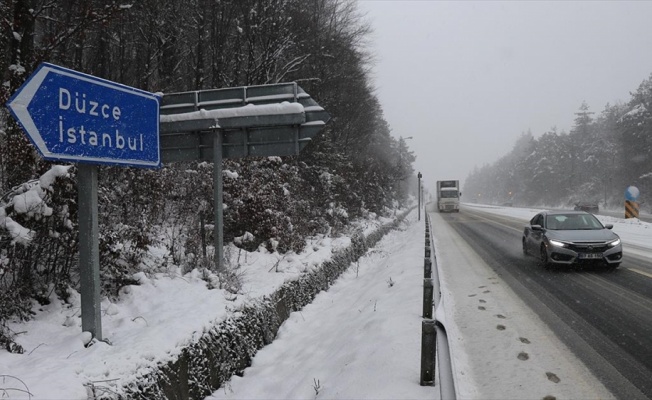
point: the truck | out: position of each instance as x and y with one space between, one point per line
448 196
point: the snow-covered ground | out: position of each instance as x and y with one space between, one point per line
149 324
360 339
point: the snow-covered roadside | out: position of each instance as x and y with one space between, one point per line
359 340
148 325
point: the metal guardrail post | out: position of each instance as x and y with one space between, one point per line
428 346
427 298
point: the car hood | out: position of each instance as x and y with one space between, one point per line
582 235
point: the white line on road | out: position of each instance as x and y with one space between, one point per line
638 271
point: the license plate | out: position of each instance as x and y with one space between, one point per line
590 256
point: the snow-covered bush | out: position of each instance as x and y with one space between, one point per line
38 242
262 201
132 215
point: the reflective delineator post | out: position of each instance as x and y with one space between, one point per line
428 292
428 349
631 206
631 209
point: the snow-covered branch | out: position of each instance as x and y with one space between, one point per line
28 199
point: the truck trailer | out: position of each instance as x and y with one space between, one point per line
448 196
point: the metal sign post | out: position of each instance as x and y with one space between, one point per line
89 255
218 196
75 117
210 125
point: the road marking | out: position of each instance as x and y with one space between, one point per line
638 271
495 222
629 296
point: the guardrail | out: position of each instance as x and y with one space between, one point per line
433 331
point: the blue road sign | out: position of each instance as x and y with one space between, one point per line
632 193
76 117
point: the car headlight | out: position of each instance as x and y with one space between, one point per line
614 243
556 243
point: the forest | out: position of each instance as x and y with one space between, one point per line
596 161
354 169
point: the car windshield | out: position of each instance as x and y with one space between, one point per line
448 194
572 222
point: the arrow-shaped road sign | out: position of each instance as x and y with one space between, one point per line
77 117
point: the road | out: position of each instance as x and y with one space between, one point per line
604 317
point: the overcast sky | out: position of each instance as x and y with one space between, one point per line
466 78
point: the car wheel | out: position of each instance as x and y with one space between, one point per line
543 257
525 251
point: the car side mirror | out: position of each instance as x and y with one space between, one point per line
609 226
536 227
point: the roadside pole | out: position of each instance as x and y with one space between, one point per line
419 193
218 194
89 254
